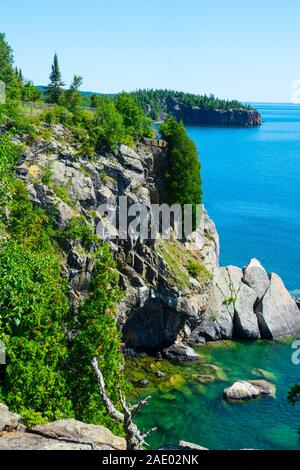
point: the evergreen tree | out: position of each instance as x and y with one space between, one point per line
20 75
6 61
54 90
182 176
7 73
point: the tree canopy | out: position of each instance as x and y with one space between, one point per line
158 102
54 89
182 176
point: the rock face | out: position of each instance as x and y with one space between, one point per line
245 390
194 115
67 434
247 304
256 277
165 304
278 314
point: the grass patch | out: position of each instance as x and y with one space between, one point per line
62 193
181 264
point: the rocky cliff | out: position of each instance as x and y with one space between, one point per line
197 115
167 306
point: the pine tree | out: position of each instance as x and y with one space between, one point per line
54 90
6 61
182 176
20 75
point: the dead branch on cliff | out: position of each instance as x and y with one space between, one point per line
135 440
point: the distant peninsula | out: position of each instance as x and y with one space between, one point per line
197 109
186 107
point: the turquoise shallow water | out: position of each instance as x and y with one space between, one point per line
251 184
198 413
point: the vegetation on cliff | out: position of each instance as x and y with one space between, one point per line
182 176
157 102
48 374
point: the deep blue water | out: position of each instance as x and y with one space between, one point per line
251 185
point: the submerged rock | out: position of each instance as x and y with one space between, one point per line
264 374
245 390
204 379
215 371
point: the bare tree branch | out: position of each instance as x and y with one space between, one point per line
135 440
111 410
135 408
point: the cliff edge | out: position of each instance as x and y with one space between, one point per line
175 292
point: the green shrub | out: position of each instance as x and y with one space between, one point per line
97 335
47 174
48 375
136 122
77 230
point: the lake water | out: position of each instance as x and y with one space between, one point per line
185 410
251 185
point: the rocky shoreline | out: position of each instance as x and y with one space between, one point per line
166 309
240 117
233 117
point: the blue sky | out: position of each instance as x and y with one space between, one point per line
234 49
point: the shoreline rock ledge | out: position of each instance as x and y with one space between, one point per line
66 434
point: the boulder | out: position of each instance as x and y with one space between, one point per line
245 321
245 390
8 421
216 322
256 277
143 383
75 431
160 375
179 352
29 441
278 314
